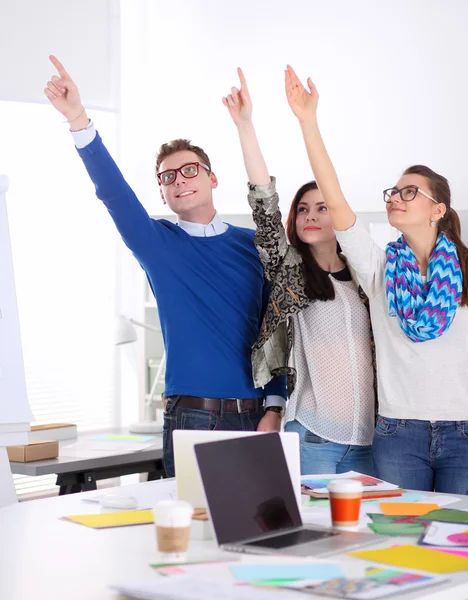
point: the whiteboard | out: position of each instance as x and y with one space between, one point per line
14 405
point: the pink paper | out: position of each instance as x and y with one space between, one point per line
453 551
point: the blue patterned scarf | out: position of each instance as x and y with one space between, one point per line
424 311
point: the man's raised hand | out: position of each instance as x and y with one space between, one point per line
63 93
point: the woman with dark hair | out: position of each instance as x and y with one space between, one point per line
316 328
418 292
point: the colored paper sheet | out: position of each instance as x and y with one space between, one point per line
452 535
457 551
380 518
272 582
114 519
378 583
397 528
181 568
415 557
414 509
448 515
316 502
410 497
259 572
320 502
441 499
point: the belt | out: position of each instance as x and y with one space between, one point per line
214 404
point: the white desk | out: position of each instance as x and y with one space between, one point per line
79 474
45 558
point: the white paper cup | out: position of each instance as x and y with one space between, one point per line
345 503
173 519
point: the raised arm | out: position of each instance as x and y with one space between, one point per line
262 196
63 94
130 217
304 103
270 237
239 105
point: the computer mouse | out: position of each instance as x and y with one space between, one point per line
116 501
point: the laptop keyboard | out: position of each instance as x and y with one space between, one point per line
293 539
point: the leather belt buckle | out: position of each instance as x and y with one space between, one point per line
239 405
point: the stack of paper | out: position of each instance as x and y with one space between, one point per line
92 448
184 587
378 583
396 525
316 485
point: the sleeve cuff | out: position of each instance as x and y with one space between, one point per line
275 401
263 191
84 137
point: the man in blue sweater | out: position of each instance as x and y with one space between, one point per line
205 274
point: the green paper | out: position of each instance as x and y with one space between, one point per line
201 561
318 502
380 518
326 502
273 582
447 515
397 528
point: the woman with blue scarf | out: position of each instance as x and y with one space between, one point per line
418 293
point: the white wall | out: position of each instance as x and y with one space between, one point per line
391 76
82 34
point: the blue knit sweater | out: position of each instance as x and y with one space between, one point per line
210 291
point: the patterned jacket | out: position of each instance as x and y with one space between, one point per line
271 353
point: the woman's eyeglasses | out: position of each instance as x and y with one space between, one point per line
407 193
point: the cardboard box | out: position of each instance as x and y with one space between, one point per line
53 431
35 450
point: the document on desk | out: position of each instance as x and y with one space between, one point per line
147 494
186 588
113 519
318 484
268 570
450 535
378 583
88 448
415 557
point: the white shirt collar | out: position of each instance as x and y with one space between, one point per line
215 227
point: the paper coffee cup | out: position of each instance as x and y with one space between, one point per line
173 520
345 502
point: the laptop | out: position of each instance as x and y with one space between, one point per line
188 479
252 503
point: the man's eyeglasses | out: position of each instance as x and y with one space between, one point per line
188 171
407 193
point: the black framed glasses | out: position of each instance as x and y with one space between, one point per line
189 171
407 193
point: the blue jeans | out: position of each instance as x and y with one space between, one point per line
318 455
179 417
421 455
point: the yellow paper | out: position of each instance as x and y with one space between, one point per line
407 509
416 557
114 519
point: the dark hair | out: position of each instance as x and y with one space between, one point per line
177 146
450 222
317 282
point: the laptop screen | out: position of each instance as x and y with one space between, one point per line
247 486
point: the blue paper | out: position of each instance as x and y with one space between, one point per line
405 498
318 571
